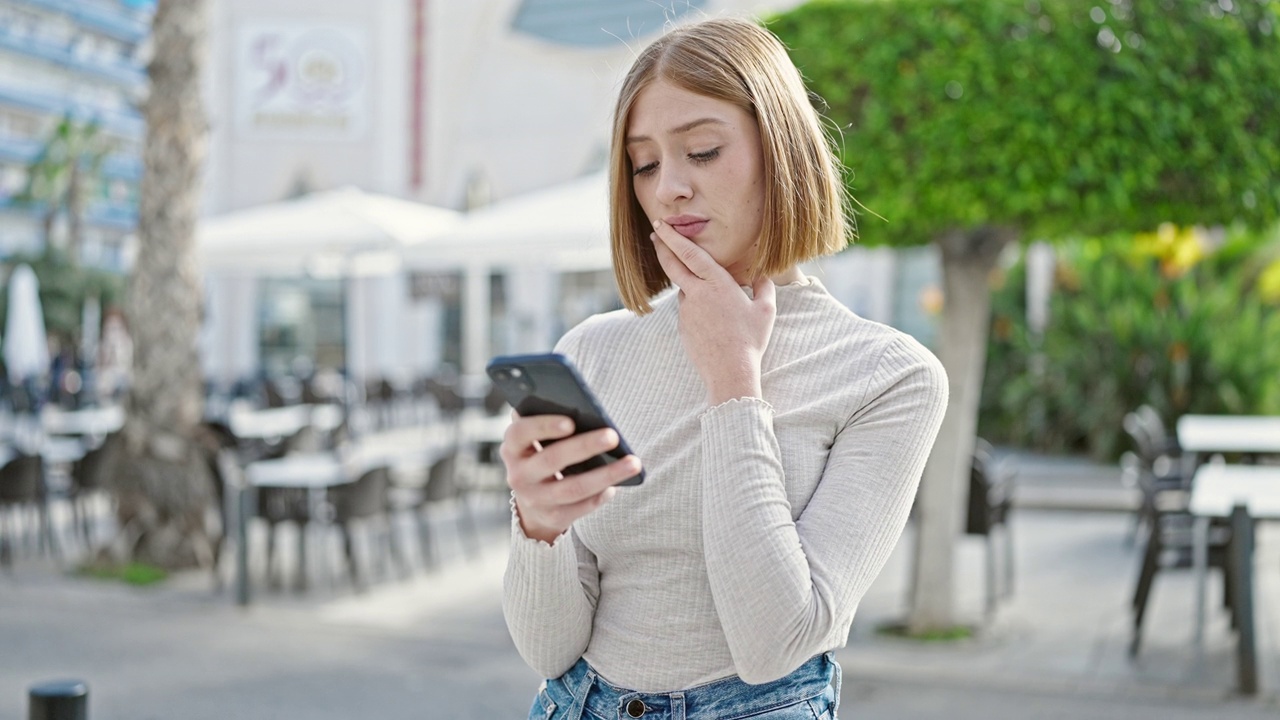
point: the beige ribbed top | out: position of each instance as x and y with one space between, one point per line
761 523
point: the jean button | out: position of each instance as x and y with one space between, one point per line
635 708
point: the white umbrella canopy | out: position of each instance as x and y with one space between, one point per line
344 231
565 227
25 345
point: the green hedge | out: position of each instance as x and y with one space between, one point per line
1170 319
1055 117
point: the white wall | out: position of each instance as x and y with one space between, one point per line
249 164
521 112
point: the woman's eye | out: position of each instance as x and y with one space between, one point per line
645 169
705 157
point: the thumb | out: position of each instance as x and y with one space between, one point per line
763 290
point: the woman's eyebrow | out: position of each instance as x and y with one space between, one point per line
679 129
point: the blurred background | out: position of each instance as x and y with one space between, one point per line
244 421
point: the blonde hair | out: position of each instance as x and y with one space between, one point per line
805 206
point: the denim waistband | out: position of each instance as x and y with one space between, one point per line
592 696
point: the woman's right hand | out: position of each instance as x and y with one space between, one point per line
547 502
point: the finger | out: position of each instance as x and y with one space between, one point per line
676 271
522 435
698 261
572 451
566 515
574 488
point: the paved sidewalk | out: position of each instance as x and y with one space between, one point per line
436 646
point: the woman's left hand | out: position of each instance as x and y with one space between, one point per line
724 331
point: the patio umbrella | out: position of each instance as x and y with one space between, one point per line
565 227
25 346
335 232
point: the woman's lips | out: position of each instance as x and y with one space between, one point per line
689 229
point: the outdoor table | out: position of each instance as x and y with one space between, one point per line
1215 491
1200 434
97 421
282 422
314 472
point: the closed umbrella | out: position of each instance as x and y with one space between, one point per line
25 346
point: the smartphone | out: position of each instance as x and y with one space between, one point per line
550 385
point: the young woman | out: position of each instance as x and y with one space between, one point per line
783 437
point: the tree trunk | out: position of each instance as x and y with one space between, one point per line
75 213
164 485
967 261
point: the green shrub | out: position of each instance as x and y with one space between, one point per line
1053 117
1168 318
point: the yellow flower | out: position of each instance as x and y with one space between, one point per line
1269 283
1177 249
931 300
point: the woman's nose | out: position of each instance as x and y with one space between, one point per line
673 185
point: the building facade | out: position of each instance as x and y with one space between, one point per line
79 60
456 104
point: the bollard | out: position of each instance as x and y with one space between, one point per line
59 700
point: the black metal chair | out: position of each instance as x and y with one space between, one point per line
1169 545
22 491
365 501
1155 464
277 506
989 507
440 486
91 477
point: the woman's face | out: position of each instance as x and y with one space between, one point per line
698 166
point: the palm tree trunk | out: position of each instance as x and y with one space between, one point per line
75 213
163 484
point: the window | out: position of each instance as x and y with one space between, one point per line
301 319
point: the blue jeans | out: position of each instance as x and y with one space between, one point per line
812 692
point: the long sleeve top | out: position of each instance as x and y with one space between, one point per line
762 522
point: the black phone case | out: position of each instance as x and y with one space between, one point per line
549 384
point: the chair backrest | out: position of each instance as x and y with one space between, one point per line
494 400
93 471
1143 443
986 489
1156 430
22 479
284 505
274 397
447 397
442 482
366 497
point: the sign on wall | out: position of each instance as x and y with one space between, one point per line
301 81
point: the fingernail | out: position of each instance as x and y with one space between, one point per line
609 439
564 426
656 223
653 237
609 493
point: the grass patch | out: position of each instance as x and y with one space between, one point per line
951 634
134 573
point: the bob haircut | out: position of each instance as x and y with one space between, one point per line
734 60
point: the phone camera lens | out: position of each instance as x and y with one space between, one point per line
501 374
516 373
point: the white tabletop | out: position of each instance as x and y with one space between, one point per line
299 470
484 428
1218 487
89 421
283 421
1229 433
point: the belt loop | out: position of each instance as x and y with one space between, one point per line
835 682
677 706
579 706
